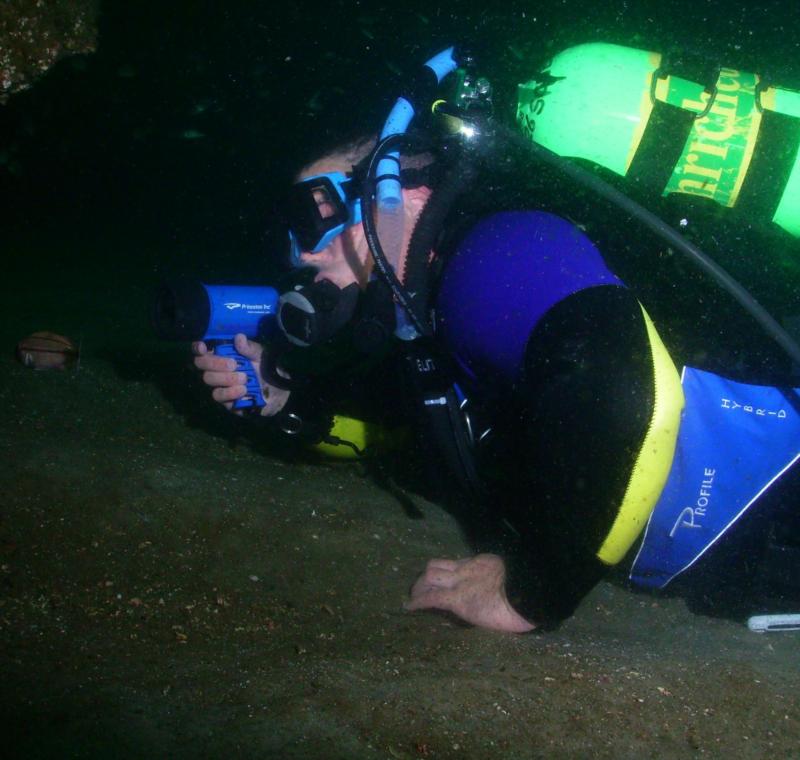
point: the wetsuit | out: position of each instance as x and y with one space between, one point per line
564 360
568 375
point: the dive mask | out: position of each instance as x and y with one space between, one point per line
318 209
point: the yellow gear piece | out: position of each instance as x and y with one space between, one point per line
362 435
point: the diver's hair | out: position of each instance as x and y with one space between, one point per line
348 154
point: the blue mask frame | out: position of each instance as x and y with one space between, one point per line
311 231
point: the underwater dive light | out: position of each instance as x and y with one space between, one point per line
191 310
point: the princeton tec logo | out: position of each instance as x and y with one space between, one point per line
248 307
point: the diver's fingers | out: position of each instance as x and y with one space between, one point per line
424 598
225 379
247 348
228 393
213 363
440 578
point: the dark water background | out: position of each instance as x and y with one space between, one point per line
135 516
101 142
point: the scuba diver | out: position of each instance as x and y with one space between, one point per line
536 379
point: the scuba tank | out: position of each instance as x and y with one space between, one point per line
731 138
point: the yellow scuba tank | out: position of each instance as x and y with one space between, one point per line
733 139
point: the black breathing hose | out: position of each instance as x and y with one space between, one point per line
457 178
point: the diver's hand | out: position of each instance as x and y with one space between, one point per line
228 383
473 589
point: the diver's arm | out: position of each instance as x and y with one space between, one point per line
547 587
558 466
582 411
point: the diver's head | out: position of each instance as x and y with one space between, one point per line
324 213
324 217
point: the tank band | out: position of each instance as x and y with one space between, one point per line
661 145
773 160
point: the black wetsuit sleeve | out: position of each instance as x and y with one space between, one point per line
572 435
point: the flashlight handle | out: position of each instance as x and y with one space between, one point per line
253 399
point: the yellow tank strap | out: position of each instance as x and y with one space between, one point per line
654 460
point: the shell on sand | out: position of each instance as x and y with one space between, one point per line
46 350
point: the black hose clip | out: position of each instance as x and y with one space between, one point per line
693 67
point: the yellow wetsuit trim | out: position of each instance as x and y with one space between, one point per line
654 461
